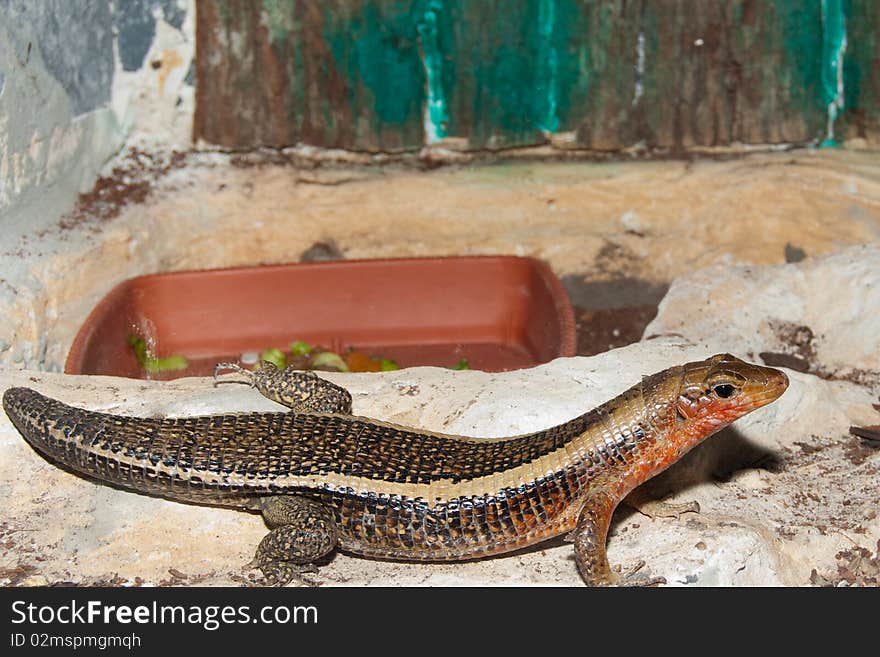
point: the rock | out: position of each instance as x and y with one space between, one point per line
824 311
785 492
631 223
817 481
790 485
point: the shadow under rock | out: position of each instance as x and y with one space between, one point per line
718 459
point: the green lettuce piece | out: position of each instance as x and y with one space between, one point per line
274 356
169 364
140 348
150 363
300 348
329 359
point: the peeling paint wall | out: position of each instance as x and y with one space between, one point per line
390 75
78 80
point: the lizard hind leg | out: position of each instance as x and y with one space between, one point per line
303 392
302 531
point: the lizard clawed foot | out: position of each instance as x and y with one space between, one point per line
642 502
656 509
629 579
235 367
281 573
589 538
302 392
304 531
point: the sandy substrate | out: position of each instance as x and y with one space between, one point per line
651 221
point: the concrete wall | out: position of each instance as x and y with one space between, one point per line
79 79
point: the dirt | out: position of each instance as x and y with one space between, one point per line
794 253
870 434
799 344
17 575
855 567
611 312
858 451
130 182
800 351
322 251
603 330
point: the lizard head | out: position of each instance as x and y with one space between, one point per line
725 388
684 405
715 392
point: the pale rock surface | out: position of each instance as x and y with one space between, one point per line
837 298
821 481
779 496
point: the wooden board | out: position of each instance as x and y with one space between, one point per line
391 75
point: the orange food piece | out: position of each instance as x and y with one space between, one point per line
358 361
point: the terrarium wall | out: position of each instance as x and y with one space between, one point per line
77 81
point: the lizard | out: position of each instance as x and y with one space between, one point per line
324 478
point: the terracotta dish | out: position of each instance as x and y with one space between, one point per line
498 312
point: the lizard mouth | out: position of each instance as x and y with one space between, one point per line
754 395
770 389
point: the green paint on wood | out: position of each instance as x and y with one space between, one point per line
521 69
802 76
548 66
855 41
395 74
377 52
280 20
598 45
492 98
861 69
833 52
436 114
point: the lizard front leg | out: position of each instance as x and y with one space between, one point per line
589 538
303 531
303 392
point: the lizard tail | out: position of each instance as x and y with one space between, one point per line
118 450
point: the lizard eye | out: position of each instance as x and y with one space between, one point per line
724 390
